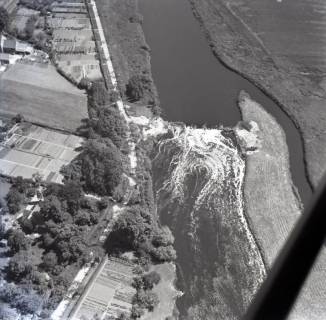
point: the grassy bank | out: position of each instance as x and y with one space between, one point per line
301 97
130 53
273 208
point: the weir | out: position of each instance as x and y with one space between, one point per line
197 89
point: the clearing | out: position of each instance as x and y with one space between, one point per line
42 95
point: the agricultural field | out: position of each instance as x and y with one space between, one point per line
32 149
110 293
43 96
295 32
73 43
273 208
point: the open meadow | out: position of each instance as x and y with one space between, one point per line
41 95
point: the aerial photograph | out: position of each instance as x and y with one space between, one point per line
162 159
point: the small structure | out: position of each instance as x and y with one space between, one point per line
13 46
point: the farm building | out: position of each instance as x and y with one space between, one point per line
13 46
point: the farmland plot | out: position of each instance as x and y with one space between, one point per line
110 293
32 149
41 95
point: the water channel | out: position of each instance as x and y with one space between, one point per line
195 88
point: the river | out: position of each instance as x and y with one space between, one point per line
198 90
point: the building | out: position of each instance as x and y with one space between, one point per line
13 46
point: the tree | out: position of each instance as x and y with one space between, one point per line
151 279
18 241
99 95
111 125
4 19
14 200
146 300
71 191
163 254
30 26
163 237
51 208
135 88
131 231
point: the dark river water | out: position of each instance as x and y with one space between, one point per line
196 89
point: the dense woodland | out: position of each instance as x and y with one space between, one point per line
48 249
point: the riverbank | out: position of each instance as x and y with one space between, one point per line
299 96
274 207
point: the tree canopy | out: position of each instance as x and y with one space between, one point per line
101 167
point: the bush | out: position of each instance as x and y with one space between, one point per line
151 279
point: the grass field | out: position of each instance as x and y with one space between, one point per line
33 149
273 208
41 95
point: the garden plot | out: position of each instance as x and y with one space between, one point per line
32 149
110 293
73 43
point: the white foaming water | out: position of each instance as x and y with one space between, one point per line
214 159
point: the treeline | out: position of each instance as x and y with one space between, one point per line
100 165
51 245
